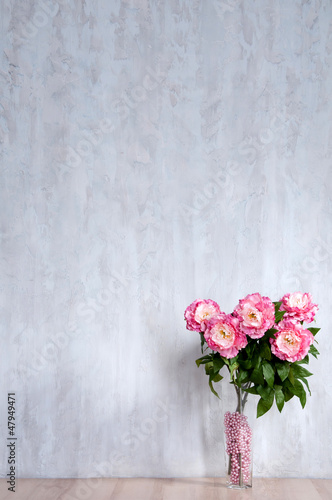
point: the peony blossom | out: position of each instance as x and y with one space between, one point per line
222 334
299 306
199 312
256 315
292 341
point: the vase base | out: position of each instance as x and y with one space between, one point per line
238 487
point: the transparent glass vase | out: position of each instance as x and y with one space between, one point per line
238 444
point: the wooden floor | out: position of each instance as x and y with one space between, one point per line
165 489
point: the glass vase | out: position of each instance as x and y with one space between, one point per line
238 444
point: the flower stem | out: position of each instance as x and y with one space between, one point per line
241 398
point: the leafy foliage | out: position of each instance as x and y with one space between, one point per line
258 371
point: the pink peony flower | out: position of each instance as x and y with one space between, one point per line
299 306
256 315
199 312
292 341
222 334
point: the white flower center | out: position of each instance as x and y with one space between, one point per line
252 316
223 335
288 342
297 300
204 312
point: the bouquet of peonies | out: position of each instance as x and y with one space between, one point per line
263 344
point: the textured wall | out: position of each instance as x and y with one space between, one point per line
153 152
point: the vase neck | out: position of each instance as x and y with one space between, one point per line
241 399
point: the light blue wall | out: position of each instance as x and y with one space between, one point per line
154 152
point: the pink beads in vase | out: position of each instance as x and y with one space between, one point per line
238 447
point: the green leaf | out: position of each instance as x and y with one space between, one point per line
256 360
303 361
291 377
212 388
298 390
305 381
268 373
279 315
287 393
209 368
265 351
313 330
250 348
277 305
242 376
280 397
234 367
247 364
233 361
282 369
264 405
216 377
303 396
264 391
218 363
299 371
203 360
257 376
202 341
269 334
251 390
313 351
